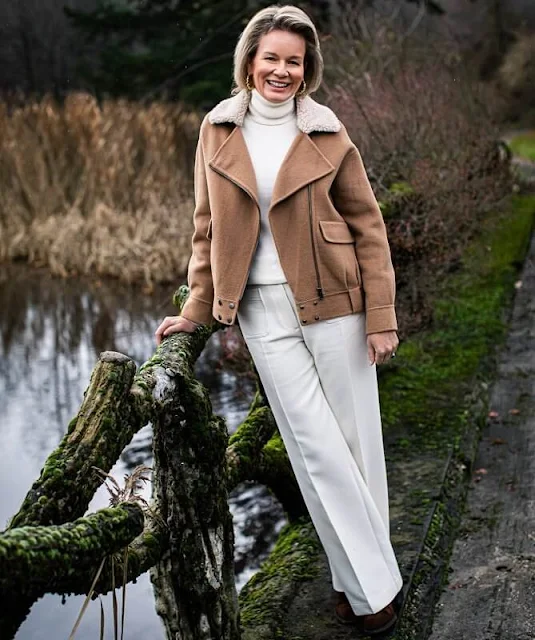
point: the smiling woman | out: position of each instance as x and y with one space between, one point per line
290 241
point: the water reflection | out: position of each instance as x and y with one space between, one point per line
51 333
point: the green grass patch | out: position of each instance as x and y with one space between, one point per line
422 390
524 145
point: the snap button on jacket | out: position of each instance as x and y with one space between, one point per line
326 224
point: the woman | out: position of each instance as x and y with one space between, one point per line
290 241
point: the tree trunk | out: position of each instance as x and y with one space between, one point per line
194 584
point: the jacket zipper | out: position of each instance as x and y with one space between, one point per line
257 231
319 288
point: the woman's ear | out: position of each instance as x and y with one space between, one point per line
250 64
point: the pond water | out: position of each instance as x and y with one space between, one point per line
51 333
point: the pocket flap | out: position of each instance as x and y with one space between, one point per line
336 231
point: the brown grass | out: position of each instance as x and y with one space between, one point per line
98 190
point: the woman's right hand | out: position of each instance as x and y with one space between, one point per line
174 324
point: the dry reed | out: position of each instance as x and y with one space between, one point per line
98 189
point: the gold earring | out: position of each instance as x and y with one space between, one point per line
302 90
248 83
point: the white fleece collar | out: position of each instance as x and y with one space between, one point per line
311 116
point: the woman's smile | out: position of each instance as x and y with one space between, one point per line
279 85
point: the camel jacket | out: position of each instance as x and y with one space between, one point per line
326 224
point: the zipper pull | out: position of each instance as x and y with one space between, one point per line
320 292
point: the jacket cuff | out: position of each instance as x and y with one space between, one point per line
381 319
197 311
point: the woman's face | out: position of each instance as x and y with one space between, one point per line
278 69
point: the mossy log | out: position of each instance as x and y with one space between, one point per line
265 599
48 558
59 559
256 452
95 438
274 471
194 584
194 468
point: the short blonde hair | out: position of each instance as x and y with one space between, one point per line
286 18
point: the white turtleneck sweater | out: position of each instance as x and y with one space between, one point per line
269 129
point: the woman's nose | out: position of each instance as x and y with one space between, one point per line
281 69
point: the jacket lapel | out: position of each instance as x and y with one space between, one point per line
232 161
304 163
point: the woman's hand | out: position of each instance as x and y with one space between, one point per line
174 324
382 346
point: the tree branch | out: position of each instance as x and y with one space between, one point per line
42 559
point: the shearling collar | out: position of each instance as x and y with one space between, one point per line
311 116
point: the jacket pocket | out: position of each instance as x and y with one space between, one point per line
209 231
339 255
338 232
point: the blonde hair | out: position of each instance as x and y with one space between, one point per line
286 18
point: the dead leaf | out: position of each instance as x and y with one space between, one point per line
498 441
481 472
514 412
494 414
457 585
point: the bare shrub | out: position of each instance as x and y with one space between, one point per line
98 189
427 133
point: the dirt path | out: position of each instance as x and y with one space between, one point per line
491 590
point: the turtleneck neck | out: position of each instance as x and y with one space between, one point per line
271 113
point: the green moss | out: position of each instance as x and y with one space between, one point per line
275 444
524 145
424 387
401 188
399 196
72 425
265 598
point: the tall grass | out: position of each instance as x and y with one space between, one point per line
98 189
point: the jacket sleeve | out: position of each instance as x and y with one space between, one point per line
198 306
354 199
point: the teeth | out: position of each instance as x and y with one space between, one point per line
277 84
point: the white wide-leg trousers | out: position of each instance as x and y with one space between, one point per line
323 394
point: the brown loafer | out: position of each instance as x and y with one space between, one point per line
372 624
